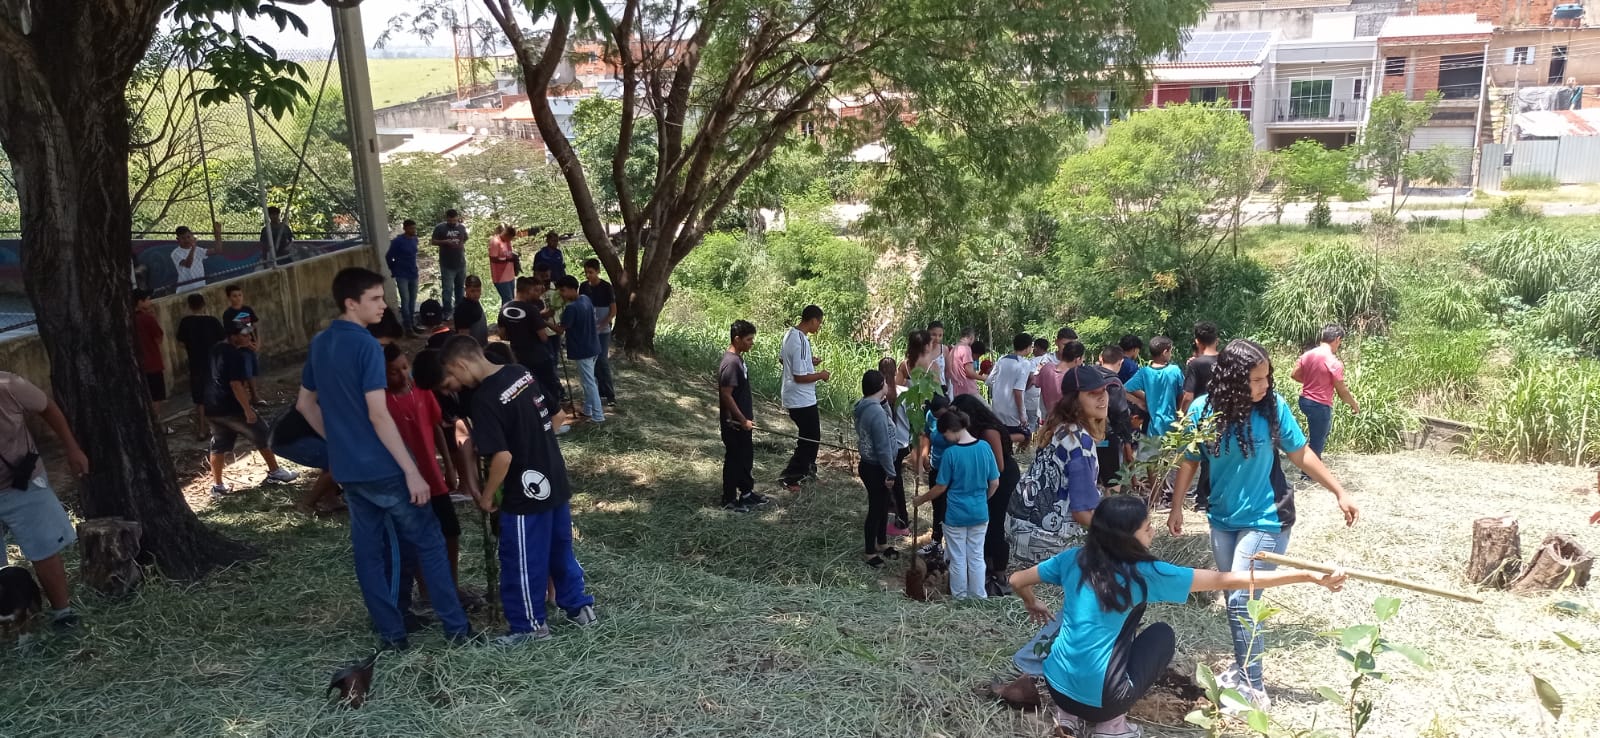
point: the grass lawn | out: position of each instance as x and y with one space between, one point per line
767 624
396 81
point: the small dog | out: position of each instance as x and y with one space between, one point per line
20 600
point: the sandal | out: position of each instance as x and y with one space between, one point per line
875 562
889 553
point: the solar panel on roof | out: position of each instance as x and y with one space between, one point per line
1222 47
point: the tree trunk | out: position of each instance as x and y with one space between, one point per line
1558 564
65 127
1496 552
109 549
639 314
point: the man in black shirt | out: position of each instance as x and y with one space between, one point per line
513 423
238 312
228 407
469 318
604 298
1118 444
1197 373
738 421
451 238
198 332
522 323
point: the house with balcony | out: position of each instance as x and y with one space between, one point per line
1217 66
1423 53
1319 87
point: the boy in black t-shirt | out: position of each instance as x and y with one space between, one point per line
228 407
738 421
469 318
198 332
513 423
522 323
242 314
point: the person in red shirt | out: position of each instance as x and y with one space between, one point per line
148 336
418 418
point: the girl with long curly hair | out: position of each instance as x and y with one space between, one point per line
1252 505
1101 663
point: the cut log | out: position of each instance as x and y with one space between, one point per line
1496 552
1558 564
108 548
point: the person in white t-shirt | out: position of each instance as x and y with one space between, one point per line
1041 356
936 347
190 261
1008 383
799 396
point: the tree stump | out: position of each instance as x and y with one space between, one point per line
108 548
1559 563
1496 552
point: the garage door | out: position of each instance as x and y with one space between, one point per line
1459 138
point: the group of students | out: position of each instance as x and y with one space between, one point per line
1058 515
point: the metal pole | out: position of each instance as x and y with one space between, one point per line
271 255
357 88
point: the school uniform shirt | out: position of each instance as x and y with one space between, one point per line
417 415
936 440
960 360
524 325
966 469
1082 652
732 372
577 318
198 333
1318 369
1162 387
795 358
228 365
1250 493
511 413
346 363
1011 373
601 296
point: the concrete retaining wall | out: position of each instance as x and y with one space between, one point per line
294 303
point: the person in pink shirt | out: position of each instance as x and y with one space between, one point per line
1068 357
1321 376
963 375
503 262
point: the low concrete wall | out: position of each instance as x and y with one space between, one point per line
294 303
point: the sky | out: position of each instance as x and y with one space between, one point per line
375 15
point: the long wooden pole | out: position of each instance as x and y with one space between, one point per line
1365 576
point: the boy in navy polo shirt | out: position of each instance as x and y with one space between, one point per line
343 395
513 424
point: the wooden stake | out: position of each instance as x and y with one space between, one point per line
1365 576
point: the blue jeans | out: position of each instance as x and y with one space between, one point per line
591 390
507 291
535 549
1319 423
383 523
1232 550
452 287
408 301
1030 658
602 368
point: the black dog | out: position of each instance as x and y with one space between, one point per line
20 600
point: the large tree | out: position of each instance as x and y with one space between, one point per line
723 84
65 123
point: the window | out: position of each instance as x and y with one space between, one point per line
1207 94
1394 66
808 128
1558 65
1310 99
1519 55
1359 89
1460 76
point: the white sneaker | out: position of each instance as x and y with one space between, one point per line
586 617
540 632
1256 697
1129 731
281 474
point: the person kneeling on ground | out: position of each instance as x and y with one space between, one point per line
1101 664
513 425
229 410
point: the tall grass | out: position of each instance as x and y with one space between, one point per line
1550 413
1452 303
1336 283
1529 182
1532 261
700 346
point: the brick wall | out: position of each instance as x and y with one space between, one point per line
1422 65
1498 12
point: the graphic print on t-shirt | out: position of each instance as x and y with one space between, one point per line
535 486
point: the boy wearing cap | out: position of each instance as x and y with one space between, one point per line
229 410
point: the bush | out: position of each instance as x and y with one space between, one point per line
1332 284
698 347
1320 216
1513 209
1532 261
1452 304
1550 414
1529 182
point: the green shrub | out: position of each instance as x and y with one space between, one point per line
698 347
1529 182
1451 303
1549 413
1320 216
1513 209
1336 283
1569 315
1532 260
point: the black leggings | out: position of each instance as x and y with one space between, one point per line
1136 662
875 480
897 491
996 549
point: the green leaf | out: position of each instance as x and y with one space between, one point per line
1571 642
1568 607
1386 607
1258 720
1548 696
1260 611
1416 655
1231 698
1330 695
1200 718
1363 714
1204 678
1359 638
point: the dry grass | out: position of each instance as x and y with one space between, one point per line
719 624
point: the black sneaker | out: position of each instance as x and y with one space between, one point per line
469 638
751 499
64 621
414 622
736 507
